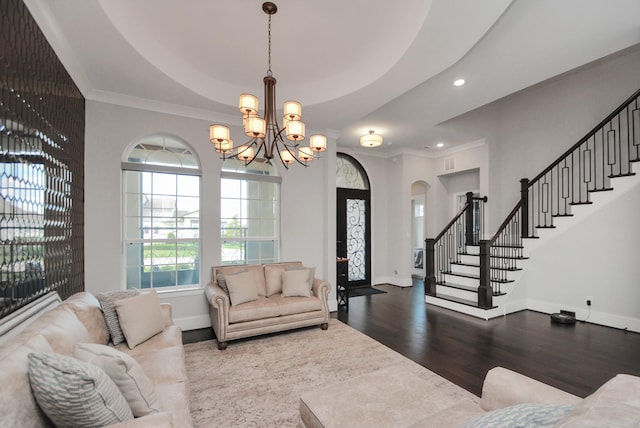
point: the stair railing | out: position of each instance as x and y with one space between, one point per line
607 151
466 228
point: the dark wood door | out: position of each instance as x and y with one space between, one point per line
353 238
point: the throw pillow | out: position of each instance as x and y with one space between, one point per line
140 317
528 415
242 288
222 282
296 283
109 311
75 394
125 372
273 279
312 273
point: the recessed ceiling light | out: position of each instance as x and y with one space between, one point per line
440 145
459 82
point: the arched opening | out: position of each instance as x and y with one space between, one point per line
353 226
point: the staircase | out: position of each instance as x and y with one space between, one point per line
475 276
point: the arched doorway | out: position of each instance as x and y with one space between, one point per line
353 231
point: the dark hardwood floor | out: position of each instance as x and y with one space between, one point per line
575 358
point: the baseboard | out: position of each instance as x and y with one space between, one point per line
583 314
193 323
400 282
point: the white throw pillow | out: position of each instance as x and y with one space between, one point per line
312 273
242 288
140 317
273 279
125 372
75 394
296 283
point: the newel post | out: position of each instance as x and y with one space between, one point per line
485 291
430 264
524 202
468 220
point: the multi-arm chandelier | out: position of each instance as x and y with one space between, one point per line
265 135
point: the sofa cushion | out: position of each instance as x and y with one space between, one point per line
296 283
262 307
616 403
531 415
62 329
296 305
242 288
109 310
125 372
14 379
273 278
140 317
74 393
88 310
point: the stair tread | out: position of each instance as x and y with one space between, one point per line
627 174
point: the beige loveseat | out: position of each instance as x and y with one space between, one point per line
56 327
270 309
394 398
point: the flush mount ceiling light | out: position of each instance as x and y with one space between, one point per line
265 134
458 82
440 145
371 139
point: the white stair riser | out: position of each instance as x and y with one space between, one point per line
456 292
461 280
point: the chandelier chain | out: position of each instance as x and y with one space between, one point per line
269 72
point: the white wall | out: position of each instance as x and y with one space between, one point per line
111 129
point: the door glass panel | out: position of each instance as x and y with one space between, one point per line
356 249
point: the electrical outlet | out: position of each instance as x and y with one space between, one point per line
589 300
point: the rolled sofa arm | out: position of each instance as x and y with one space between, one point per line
503 387
321 288
219 305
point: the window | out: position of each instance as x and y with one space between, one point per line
249 212
161 215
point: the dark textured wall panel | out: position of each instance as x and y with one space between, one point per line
42 118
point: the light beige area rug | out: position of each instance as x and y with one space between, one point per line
258 382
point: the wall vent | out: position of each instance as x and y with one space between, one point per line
449 164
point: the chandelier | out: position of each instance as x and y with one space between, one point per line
265 135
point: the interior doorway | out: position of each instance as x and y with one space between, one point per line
353 221
418 226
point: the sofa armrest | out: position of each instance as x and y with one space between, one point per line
503 387
162 419
219 305
321 288
167 314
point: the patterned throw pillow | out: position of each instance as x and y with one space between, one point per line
528 415
125 372
75 394
107 301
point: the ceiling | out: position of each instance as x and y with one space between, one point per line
354 65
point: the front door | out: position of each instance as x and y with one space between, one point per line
354 234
